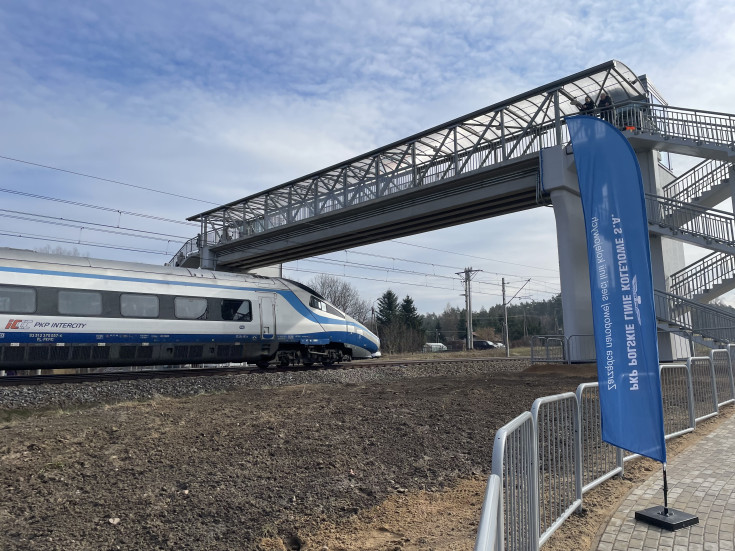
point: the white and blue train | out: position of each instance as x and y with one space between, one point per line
65 311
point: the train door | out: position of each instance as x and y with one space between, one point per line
267 304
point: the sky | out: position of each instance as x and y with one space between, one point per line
122 119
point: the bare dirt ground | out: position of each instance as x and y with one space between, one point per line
382 465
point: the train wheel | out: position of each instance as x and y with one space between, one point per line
263 364
327 363
308 364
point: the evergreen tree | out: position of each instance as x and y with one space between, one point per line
387 308
408 314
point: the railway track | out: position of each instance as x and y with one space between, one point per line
74 378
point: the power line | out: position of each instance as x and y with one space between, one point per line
107 180
80 242
472 256
70 223
98 207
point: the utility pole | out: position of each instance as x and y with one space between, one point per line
467 276
505 315
505 324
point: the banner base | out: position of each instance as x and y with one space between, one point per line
666 518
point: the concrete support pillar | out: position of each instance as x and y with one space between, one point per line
207 260
560 180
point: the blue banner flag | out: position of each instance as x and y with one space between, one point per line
622 288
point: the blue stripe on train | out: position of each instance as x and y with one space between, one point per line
313 339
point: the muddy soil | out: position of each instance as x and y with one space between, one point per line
282 468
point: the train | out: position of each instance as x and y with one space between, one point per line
60 311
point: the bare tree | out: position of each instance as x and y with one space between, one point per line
343 295
48 249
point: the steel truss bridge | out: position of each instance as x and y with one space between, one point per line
482 165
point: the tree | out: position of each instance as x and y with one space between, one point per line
399 325
47 249
387 308
408 314
343 295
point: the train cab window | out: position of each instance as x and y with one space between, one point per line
190 308
237 310
324 306
317 304
139 306
332 310
19 300
80 303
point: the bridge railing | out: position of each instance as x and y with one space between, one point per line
545 461
698 180
701 127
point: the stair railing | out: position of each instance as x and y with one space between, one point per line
699 318
697 181
709 224
702 276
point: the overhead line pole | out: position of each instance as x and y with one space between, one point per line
467 276
505 316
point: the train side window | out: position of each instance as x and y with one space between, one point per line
318 304
19 300
80 303
139 306
237 310
190 308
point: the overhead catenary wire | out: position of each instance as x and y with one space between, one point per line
80 242
107 228
98 207
450 289
118 182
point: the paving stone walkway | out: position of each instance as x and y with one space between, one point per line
701 482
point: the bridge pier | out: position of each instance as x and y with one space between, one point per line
560 181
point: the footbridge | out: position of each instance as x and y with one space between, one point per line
481 165
511 156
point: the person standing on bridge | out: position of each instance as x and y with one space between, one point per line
587 107
606 107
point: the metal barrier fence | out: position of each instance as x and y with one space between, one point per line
581 348
678 402
546 459
559 461
490 518
514 461
704 387
723 377
600 460
548 348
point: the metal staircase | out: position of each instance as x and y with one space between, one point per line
708 278
706 184
708 325
685 212
710 228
